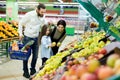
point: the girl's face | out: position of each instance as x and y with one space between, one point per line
48 31
60 28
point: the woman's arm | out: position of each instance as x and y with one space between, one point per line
61 40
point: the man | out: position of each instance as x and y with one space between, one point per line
32 21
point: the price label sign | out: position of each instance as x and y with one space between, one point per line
11 10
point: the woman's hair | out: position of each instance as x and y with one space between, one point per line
43 32
41 6
61 22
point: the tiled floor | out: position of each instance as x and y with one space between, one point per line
12 70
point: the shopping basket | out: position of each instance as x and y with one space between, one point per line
19 55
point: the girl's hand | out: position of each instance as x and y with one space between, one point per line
53 44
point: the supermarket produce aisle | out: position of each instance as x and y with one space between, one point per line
12 70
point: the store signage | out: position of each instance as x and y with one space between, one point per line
11 10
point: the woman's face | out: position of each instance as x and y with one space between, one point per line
60 28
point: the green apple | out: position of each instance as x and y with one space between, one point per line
111 60
117 64
58 44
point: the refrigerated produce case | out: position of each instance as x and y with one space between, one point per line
111 47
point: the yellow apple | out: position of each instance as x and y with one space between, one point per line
58 44
93 65
53 43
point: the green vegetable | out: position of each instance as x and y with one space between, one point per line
27 45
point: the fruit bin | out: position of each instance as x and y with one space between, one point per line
19 55
111 49
116 77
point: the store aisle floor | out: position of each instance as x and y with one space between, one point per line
12 70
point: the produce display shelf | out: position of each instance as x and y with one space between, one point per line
9 39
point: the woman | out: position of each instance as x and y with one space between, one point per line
58 35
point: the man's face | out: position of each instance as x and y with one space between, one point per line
41 12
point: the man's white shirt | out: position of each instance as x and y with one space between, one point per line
32 24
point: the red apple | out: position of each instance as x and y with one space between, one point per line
68 67
72 70
105 72
102 51
63 77
73 77
81 70
70 63
88 76
96 56
90 57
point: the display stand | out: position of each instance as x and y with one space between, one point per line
4 46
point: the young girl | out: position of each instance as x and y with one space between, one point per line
46 45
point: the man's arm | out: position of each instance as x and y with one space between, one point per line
22 23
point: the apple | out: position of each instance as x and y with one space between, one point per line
54 43
72 70
100 56
111 60
102 51
45 79
88 76
117 72
69 77
46 76
117 64
73 77
70 63
75 61
91 57
81 70
93 65
76 46
96 56
68 67
101 44
58 44
105 72
63 77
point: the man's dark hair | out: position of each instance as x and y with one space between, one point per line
41 6
61 22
